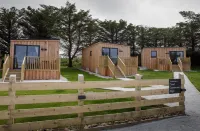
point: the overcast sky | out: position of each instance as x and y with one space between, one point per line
157 13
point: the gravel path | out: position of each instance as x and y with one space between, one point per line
190 122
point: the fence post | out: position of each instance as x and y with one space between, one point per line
11 107
81 102
138 97
181 76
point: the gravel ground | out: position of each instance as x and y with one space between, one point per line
190 122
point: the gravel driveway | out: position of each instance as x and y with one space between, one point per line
190 122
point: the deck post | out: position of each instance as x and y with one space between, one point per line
181 76
11 107
138 97
81 101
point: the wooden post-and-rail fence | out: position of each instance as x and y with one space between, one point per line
136 114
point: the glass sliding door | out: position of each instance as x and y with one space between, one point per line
114 55
24 50
20 53
111 52
174 55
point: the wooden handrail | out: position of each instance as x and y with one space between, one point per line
43 63
170 64
111 66
180 64
23 69
121 66
6 67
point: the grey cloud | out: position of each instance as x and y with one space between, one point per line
157 13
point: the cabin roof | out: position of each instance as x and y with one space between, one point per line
35 39
162 47
104 43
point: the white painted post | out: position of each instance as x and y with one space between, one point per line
182 94
81 102
11 107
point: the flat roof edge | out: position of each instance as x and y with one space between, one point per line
33 39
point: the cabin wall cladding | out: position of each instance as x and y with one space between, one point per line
42 75
49 53
51 47
91 62
162 52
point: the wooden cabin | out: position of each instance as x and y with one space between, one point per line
165 59
33 60
109 60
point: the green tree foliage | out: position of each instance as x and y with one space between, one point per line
73 27
9 28
77 29
39 23
191 28
112 31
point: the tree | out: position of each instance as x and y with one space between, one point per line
131 38
9 28
191 28
91 34
39 23
112 31
73 29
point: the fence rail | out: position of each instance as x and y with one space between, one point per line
11 114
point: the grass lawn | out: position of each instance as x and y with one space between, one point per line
150 74
194 77
72 75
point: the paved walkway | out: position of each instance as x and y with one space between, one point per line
190 122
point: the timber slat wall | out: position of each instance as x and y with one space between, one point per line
162 52
131 65
92 63
12 87
52 51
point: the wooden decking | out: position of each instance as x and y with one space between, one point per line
32 68
165 64
126 66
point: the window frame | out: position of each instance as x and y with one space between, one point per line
109 51
155 55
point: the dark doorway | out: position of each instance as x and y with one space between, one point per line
112 53
174 55
21 51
